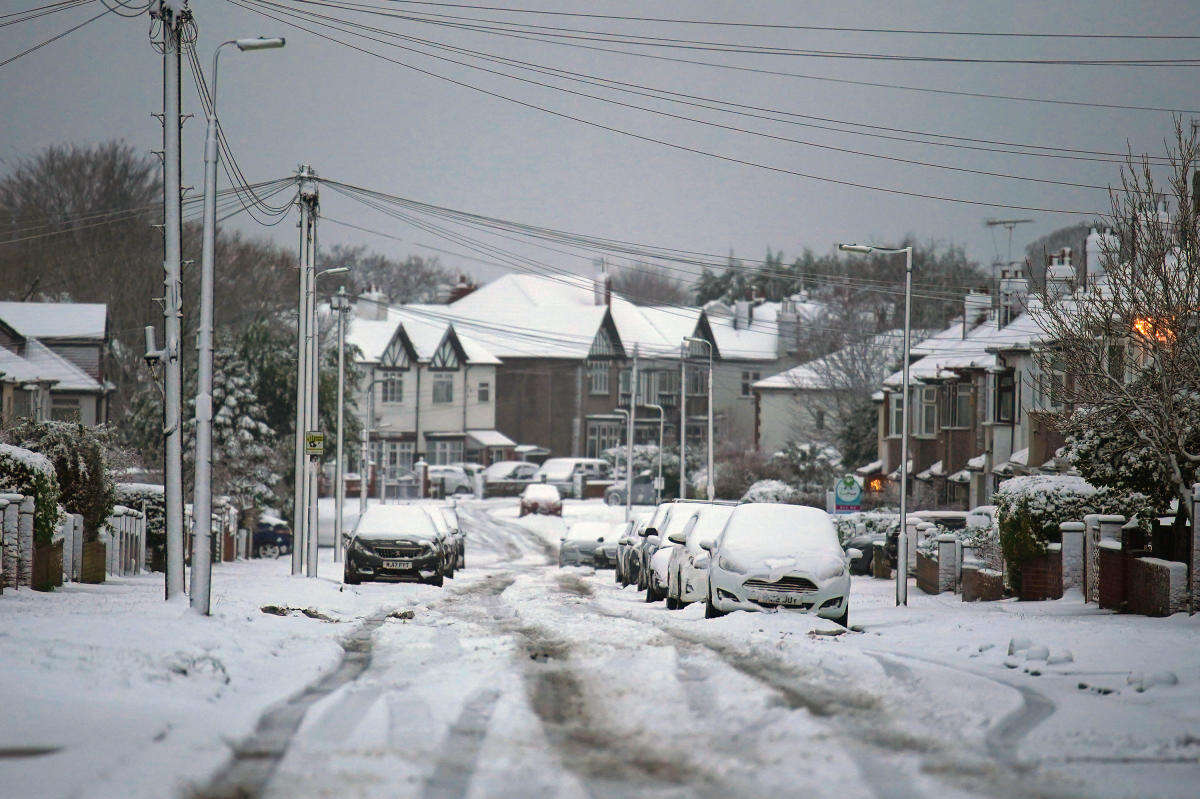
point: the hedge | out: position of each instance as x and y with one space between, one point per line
23 471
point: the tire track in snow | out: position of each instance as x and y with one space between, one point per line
453 772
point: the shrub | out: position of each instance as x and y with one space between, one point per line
771 491
877 523
32 474
78 455
1030 510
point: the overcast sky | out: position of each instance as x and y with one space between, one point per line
366 121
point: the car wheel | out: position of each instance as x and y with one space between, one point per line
436 580
270 551
613 498
710 610
350 576
844 619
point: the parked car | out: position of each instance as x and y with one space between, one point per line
561 472
459 535
650 538
452 479
272 538
541 498
778 556
448 541
643 491
687 570
626 571
605 555
470 468
508 478
680 519
583 539
982 516
395 542
948 519
866 545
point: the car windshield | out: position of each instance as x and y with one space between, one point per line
541 493
439 521
501 470
392 521
557 469
764 529
677 523
450 517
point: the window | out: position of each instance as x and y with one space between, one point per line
820 419
22 404
957 410
645 387
597 372
697 381
392 387
897 407
602 434
748 381
394 458
623 381
485 391
1005 395
927 421
64 409
668 387
443 389
444 451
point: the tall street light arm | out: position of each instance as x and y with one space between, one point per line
711 485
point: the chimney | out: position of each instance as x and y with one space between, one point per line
372 305
1014 288
787 323
601 284
743 314
462 288
975 307
1060 277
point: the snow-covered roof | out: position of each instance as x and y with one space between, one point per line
490 438
874 467
933 471
426 331
816 374
948 351
15 368
52 366
961 476
976 463
56 319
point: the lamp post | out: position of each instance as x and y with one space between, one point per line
341 307
683 420
902 538
202 500
712 493
312 527
658 481
364 468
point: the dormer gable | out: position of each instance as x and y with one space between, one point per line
607 341
449 354
399 353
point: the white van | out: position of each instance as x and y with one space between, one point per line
561 472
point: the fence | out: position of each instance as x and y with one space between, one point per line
124 537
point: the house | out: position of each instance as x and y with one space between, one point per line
53 360
802 403
430 391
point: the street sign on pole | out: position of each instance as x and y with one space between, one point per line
314 443
847 495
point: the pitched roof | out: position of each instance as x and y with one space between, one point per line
816 373
49 365
425 331
15 368
51 320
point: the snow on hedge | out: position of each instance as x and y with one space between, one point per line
877 523
34 460
1049 498
770 491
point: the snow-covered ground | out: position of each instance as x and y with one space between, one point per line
521 679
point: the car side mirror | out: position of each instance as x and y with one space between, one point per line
649 531
562 540
701 562
708 545
676 538
600 540
652 540
853 553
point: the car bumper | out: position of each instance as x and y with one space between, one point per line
368 564
694 587
730 592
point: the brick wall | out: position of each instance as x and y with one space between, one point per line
1041 577
979 584
927 574
1156 587
1111 578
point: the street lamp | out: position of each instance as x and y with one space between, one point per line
658 481
902 538
365 467
202 501
341 306
712 493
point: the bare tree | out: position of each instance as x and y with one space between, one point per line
646 284
1125 353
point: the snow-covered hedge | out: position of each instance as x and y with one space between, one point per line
23 471
1030 510
877 523
771 491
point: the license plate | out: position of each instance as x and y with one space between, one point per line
772 598
397 564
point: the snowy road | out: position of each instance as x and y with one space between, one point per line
523 679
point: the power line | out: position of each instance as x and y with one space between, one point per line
17 17
586 34
665 143
777 26
54 38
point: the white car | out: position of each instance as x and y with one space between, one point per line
452 479
578 547
676 524
448 542
778 556
687 571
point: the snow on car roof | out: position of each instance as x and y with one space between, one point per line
395 520
558 468
540 491
712 521
584 531
766 528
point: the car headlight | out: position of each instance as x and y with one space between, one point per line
829 569
730 565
